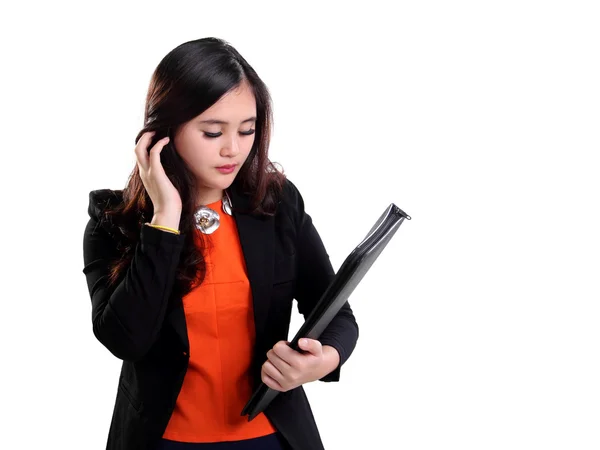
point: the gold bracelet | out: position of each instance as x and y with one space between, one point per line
160 227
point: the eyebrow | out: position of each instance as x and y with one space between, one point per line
223 122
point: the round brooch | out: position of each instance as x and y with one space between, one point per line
208 220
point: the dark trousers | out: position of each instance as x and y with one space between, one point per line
270 442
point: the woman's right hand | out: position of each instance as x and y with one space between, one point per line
165 198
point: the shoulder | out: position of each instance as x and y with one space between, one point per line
290 193
100 199
291 201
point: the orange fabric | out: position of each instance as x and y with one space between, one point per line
220 322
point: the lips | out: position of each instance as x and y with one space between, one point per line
228 166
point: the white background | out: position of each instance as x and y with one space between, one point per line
479 324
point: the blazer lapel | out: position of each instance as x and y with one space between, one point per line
176 319
258 245
257 240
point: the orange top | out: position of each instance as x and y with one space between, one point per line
220 323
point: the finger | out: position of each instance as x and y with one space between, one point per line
286 353
141 152
269 381
279 363
311 345
273 371
155 153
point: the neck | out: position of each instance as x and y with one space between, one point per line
210 196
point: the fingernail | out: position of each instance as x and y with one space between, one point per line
303 341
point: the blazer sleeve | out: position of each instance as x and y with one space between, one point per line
127 317
314 274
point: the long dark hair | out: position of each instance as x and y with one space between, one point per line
188 81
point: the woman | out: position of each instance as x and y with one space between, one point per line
193 266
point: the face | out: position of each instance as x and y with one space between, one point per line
221 136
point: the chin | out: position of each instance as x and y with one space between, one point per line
219 182
224 182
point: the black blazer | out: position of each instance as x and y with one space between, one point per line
141 323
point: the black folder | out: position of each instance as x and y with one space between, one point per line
351 272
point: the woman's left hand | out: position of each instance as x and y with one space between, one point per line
286 369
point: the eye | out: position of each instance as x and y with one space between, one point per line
216 135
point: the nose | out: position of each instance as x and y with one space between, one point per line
232 148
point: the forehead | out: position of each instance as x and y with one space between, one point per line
235 106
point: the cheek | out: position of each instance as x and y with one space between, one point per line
196 153
248 146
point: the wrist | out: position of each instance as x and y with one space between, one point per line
170 220
332 359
